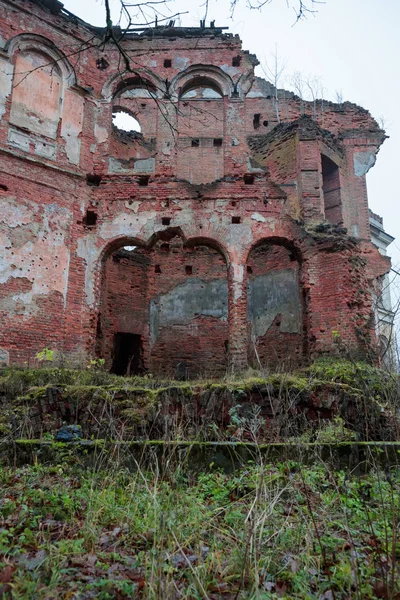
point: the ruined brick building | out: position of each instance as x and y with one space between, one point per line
233 229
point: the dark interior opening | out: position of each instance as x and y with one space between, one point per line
331 191
248 179
127 354
93 180
167 63
90 218
102 64
236 60
256 120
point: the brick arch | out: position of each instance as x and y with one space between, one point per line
288 243
170 296
117 83
221 80
26 41
41 78
212 243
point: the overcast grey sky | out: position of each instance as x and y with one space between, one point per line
352 45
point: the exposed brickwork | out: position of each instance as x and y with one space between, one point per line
213 174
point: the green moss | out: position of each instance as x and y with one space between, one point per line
357 375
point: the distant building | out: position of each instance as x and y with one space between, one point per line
383 301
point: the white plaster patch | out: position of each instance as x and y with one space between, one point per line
138 93
180 62
133 205
254 94
71 127
44 262
88 250
127 225
16 214
166 150
6 75
238 273
101 134
24 142
258 217
363 161
232 71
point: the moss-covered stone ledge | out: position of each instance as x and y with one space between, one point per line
195 455
274 407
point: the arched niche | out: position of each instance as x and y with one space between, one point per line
41 76
201 125
275 305
164 307
201 88
213 76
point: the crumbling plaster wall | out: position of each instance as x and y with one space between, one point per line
263 183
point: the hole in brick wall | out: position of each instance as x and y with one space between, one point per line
143 105
249 270
157 269
188 269
102 64
90 218
256 120
217 143
233 203
124 121
235 220
166 220
265 123
248 179
236 60
93 180
3 187
127 354
167 63
144 180
164 247
195 143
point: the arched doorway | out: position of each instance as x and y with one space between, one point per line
275 306
164 309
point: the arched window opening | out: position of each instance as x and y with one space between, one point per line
275 311
123 121
135 117
164 309
37 93
331 190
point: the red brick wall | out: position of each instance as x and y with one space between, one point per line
52 286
